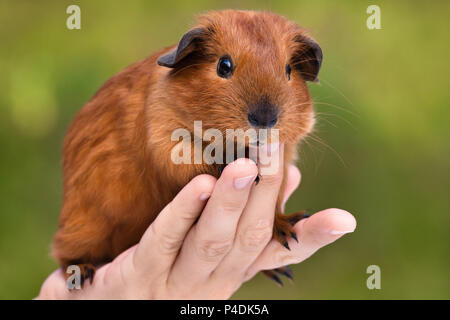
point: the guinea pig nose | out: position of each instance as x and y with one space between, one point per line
263 119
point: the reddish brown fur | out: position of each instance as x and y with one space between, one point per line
118 174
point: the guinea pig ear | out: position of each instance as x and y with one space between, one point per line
188 43
308 58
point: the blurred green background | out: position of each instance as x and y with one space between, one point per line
383 106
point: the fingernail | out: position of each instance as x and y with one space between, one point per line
270 148
205 196
241 183
336 232
273 147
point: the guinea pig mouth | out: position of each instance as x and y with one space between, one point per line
253 152
266 146
265 139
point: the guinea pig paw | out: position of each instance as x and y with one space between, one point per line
87 273
283 228
293 218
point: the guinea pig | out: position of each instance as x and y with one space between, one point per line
234 69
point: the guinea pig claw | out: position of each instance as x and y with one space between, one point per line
285 271
294 236
286 245
296 217
87 272
272 276
221 168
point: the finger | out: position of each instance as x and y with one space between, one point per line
54 287
256 224
162 241
292 183
213 235
313 233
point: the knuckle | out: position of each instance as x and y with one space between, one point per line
213 249
272 179
168 243
256 236
184 215
231 206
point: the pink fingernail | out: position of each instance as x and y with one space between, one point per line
336 232
241 183
205 196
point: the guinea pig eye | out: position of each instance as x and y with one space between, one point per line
288 71
225 67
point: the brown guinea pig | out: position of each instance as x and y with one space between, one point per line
235 69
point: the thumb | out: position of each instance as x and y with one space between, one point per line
313 233
324 228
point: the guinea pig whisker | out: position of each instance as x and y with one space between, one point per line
325 119
337 107
337 90
313 148
304 60
302 104
317 139
336 116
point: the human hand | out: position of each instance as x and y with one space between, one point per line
231 241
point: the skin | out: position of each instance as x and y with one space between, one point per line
229 244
